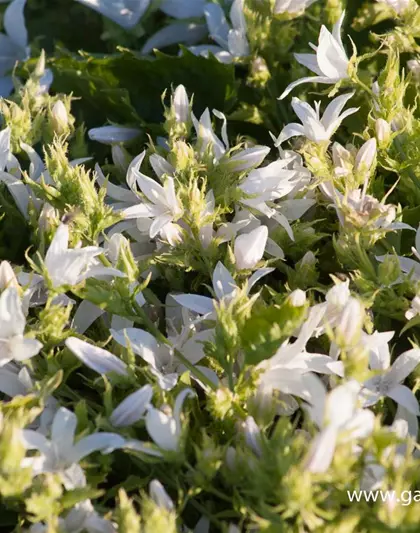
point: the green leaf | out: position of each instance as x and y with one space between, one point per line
127 88
267 329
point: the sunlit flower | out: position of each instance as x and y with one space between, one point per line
330 62
314 127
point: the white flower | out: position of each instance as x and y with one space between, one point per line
62 454
207 140
399 6
289 369
113 134
292 6
82 518
340 420
330 62
132 409
162 206
13 344
224 287
249 248
363 211
347 161
97 359
14 45
125 13
313 127
389 378
161 358
164 427
16 381
268 184
71 266
232 42
123 197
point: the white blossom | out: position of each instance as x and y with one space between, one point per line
314 127
330 62
224 287
161 207
67 266
232 41
161 358
389 378
14 346
340 420
61 454
164 427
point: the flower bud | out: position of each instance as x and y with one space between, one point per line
365 157
60 118
414 67
48 218
249 247
230 458
132 409
297 298
160 496
7 276
120 157
350 324
338 296
342 159
252 435
383 133
113 134
308 259
181 105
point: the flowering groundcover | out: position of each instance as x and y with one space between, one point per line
210 266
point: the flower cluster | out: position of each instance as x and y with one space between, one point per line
209 310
